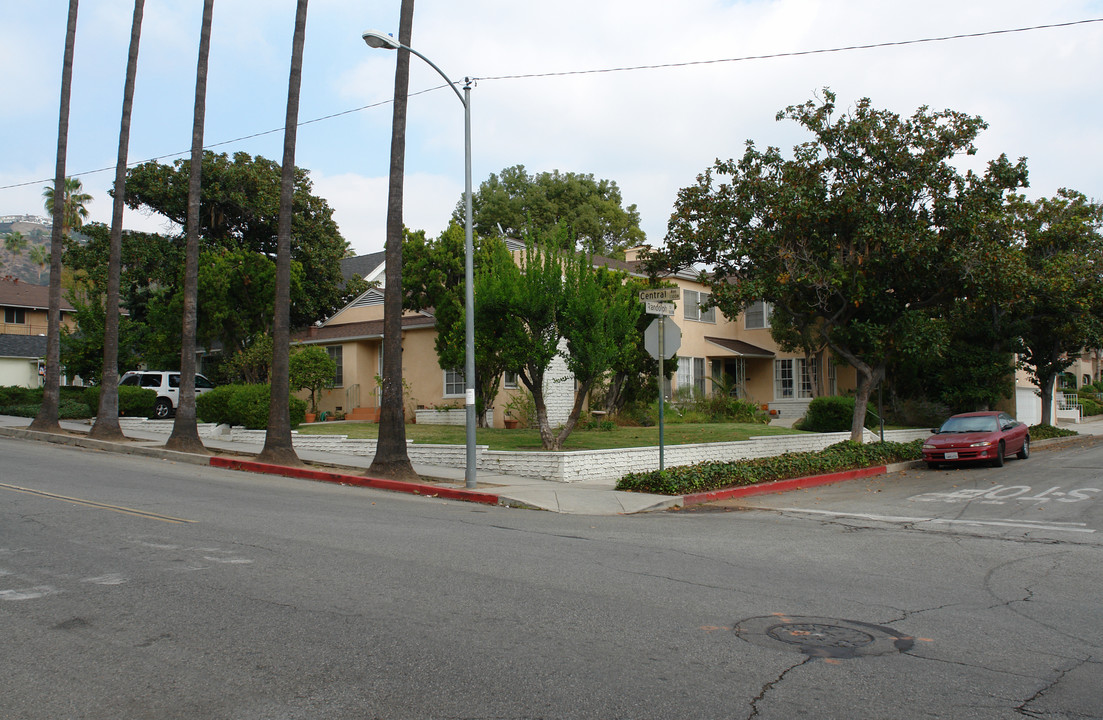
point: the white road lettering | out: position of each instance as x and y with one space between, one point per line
1001 494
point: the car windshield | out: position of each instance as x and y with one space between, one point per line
979 423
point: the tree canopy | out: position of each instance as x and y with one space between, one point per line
515 204
239 209
858 240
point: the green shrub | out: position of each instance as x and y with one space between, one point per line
1044 432
12 395
244 405
26 402
832 414
707 476
133 401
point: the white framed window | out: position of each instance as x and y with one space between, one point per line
336 352
699 377
832 378
691 375
684 377
453 383
809 374
783 378
511 380
691 306
757 316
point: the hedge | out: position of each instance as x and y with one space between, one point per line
244 405
706 476
832 413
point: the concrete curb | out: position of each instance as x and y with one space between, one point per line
779 486
307 473
158 453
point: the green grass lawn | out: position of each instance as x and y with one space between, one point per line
497 439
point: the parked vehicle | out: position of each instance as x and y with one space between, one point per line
167 385
977 436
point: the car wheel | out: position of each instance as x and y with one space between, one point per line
932 465
1024 453
998 461
162 409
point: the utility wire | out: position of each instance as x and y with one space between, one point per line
630 68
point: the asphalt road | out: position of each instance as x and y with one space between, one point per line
132 588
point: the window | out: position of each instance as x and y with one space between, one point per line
786 373
699 377
809 374
512 380
832 378
685 374
15 316
691 376
336 353
757 316
692 302
783 379
453 383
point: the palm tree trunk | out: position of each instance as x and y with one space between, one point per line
185 433
47 418
391 458
107 417
277 439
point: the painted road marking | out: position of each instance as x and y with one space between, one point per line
1028 524
1001 494
98 505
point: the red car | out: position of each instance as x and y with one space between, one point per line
968 437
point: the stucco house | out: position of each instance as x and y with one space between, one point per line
716 352
23 323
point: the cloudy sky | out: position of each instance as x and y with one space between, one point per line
535 103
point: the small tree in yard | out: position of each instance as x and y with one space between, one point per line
311 368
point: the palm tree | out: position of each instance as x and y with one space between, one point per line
15 242
277 439
74 199
391 458
185 433
106 426
47 418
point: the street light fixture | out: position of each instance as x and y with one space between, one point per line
376 39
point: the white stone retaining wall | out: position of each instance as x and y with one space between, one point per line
575 466
458 416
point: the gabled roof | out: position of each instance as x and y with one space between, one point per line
738 348
364 266
16 293
363 330
22 346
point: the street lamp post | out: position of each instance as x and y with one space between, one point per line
376 39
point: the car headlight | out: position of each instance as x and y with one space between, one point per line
986 443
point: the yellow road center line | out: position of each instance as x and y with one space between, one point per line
98 505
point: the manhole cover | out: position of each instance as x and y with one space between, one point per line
823 637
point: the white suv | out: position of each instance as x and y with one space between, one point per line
166 383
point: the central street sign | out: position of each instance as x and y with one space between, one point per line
661 295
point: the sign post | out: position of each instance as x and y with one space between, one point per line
661 340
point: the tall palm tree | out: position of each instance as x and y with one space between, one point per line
277 438
185 433
106 426
47 418
74 200
15 242
391 458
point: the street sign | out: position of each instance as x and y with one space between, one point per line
661 295
672 338
659 308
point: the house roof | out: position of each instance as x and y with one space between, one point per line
362 265
22 346
738 348
363 330
16 293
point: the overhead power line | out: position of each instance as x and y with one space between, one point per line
629 68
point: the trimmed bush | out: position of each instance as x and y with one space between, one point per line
26 402
832 414
133 401
244 405
847 455
1045 432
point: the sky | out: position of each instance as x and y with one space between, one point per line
652 131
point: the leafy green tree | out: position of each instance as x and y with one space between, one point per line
239 208
862 238
1063 305
515 204
15 242
311 368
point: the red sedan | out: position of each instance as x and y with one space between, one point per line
990 436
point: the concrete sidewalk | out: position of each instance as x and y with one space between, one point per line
597 498
578 498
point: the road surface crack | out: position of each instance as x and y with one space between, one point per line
770 686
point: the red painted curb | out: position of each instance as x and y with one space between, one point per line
306 473
779 486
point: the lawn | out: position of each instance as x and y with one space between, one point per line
498 439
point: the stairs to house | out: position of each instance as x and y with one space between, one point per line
363 414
